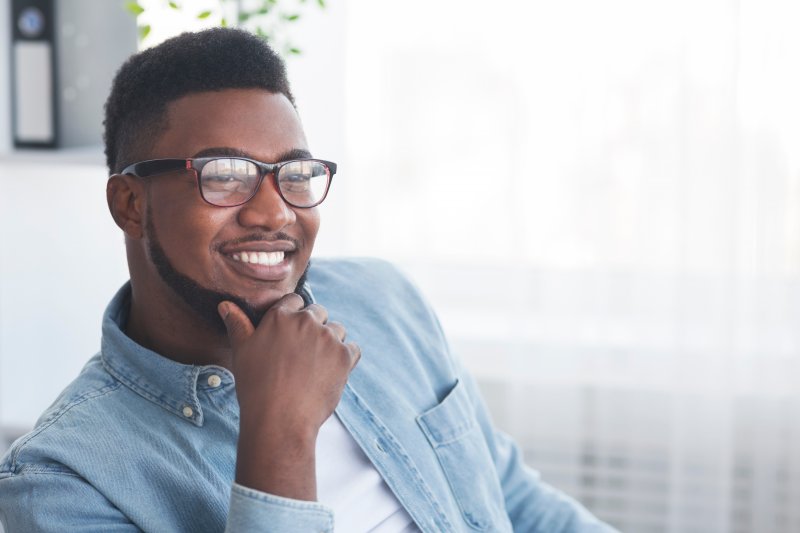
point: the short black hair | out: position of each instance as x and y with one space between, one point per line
209 60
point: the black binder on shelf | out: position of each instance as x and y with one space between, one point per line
64 54
33 73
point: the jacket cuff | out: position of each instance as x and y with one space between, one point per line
253 511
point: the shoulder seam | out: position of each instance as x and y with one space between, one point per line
32 470
77 401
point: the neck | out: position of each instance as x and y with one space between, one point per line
172 330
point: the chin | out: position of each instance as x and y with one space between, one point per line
265 298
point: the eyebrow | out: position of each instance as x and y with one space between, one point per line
295 153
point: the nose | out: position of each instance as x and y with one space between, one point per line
266 209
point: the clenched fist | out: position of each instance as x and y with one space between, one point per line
290 371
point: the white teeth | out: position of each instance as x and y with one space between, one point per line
259 258
274 258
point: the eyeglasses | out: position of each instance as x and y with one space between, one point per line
232 181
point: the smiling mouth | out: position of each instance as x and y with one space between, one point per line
259 258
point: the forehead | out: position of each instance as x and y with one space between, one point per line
257 122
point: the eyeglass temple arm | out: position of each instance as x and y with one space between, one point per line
154 167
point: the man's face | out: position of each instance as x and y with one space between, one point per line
197 249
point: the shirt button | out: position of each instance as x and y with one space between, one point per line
187 412
214 380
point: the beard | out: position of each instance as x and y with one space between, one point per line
202 300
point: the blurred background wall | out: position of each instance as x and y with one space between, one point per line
601 199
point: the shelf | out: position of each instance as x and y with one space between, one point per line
84 155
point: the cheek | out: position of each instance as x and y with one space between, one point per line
187 247
186 234
310 222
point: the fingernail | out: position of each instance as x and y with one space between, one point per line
224 310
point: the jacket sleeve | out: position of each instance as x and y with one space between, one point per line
44 501
531 504
255 511
41 501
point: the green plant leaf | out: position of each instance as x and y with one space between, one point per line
291 18
174 5
244 17
295 51
321 3
144 31
261 33
223 22
204 15
134 8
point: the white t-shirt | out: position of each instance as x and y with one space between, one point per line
349 484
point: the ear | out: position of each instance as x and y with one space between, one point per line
126 201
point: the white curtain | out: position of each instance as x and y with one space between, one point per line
602 199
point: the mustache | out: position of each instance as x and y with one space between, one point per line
260 237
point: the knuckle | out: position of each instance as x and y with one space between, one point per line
307 316
288 301
278 308
318 312
346 356
332 333
355 349
314 310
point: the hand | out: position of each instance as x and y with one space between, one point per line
290 372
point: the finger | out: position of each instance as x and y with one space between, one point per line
237 324
338 330
290 302
319 312
355 354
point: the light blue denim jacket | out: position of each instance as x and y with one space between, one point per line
140 442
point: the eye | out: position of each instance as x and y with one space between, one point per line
295 183
224 181
228 174
221 178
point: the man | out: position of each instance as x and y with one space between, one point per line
373 428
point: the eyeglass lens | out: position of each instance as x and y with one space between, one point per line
229 181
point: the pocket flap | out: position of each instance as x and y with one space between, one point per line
455 437
450 420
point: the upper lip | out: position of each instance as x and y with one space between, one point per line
258 246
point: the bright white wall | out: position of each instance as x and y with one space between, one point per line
61 259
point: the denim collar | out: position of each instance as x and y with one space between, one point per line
165 382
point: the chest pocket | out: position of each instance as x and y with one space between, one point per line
456 438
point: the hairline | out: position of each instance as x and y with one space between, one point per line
131 151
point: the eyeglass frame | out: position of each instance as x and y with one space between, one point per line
155 167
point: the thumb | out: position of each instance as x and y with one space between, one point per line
236 322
